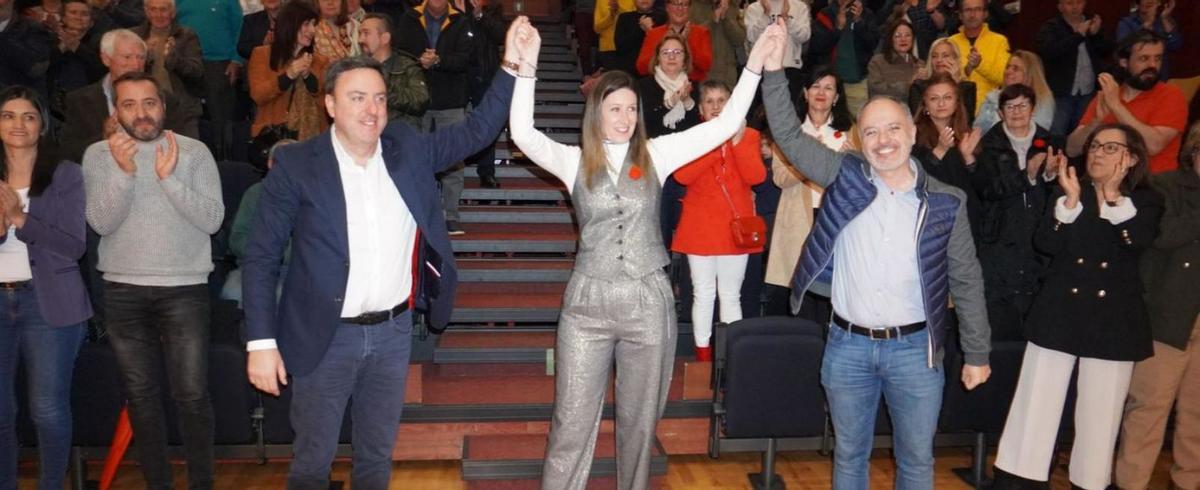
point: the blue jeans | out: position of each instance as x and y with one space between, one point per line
369 365
1067 112
49 357
855 372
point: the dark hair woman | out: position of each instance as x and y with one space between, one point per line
1089 312
285 76
945 141
618 303
41 289
892 70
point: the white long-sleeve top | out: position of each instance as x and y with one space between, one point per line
667 153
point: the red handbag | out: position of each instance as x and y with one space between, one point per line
748 231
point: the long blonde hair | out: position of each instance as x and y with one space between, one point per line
958 75
594 160
1035 75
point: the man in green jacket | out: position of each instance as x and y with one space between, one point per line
408 96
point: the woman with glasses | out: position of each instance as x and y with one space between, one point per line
946 143
1170 272
1089 312
1013 183
44 303
697 38
1023 68
892 70
618 305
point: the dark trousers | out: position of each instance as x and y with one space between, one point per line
485 159
152 327
220 102
1067 113
585 35
1006 314
369 365
48 354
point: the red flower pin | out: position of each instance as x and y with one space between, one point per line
635 173
837 134
1039 143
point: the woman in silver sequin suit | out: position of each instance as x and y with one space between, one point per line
618 303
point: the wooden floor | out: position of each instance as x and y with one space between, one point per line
800 470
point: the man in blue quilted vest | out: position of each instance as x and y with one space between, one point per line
890 247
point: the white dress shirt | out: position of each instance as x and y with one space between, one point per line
381 233
876 280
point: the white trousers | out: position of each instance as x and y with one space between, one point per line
713 276
1027 443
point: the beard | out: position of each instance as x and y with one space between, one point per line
1145 80
150 133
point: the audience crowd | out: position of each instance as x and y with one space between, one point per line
1080 177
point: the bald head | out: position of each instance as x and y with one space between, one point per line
887 131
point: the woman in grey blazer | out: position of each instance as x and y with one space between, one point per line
43 305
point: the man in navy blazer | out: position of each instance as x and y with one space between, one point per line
361 208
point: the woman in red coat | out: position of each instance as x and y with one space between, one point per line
718 265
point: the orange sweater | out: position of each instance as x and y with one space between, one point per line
704 223
699 45
272 103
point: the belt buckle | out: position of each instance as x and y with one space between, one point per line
881 334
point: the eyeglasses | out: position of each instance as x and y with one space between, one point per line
671 53
1016 107
1110 148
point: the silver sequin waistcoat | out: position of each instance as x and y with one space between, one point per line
619 226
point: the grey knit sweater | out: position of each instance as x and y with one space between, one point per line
154 233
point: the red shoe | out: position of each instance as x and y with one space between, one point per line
704 354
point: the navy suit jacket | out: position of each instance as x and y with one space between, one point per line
303 201
54 232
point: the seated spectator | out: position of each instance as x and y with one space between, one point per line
286 75
85 122
1014 184
718 191
173 57
26 47
45 303
944 59
1157 16
336 34
892 70
844 36
239 234
604 23
827 118
795 15
1157 110
1024 68
1089 313
258 29
408 95
983 53
945 141
698 39
1074 49
1168 379
75 60
723 19
630 33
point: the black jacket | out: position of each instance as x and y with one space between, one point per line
1011 208
254 30
951 169
1171 269
26 48
487 37
447 79
823 44
1090 304
1058 45
70 70
653 109
628 37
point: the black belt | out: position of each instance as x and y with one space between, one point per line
880 333
374 317
15 284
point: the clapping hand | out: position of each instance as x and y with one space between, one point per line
945 139
10 205
1111 189
1110 96
1035 164
968 143
165 160
974 59
722 7
123 148
646 22
1067 179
